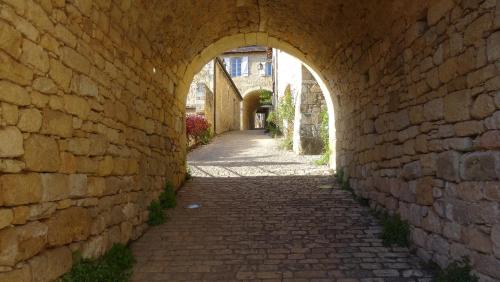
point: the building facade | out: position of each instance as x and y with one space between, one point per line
214 95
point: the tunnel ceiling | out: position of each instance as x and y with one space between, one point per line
179 30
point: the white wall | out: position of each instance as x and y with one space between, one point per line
288 71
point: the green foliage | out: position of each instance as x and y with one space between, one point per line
324 134
266 97
394 229
114 266
156 213
272 125
206 136
287 143
286 109
167 197
457 271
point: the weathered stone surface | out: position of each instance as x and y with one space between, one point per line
45 85
14 94
41 153
35 56
60 74
448 165
65 226
10 40
493 44
457 106
437 10
433 110
55 186
20 274
8 246
74 60
424 191
57 123
14 71
19 189
32 238
78 185
480 166
76 105
11 142
51 264
490 140
30 120
483 107
6 217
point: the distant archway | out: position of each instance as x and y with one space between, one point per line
262 39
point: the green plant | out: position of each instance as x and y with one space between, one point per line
457 271
156 213
265 97
272 125
287 143
114 266
167 197
206 136
394 229
324 134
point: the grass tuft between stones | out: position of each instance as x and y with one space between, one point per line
114 266
395 231
156 213
457 271
157 208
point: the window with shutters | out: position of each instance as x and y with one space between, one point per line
269 69
235 66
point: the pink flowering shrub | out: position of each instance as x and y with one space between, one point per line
198 129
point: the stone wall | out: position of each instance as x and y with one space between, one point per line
419 134
307 124
89 132
92 113
227 101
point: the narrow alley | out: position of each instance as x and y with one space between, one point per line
267 215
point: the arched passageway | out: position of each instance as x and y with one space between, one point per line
93 96
251 106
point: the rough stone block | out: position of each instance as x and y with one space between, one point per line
30 120
480 166
77 106
493 46
75 60
456 106
20 189
14 94
6 217
11 142
448 165
490 140
68 225
32 238
483 107
34 55
424 193
45 85
438 9
433 110
41 154
10 40
8 246
55 186
57 123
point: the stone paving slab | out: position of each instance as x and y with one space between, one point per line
268 228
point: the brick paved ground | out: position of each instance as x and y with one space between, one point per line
272 219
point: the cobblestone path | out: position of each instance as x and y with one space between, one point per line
266 215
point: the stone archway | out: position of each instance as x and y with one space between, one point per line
93 95
250 105
262 39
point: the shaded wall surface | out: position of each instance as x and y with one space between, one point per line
227 101
309 103
93 97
